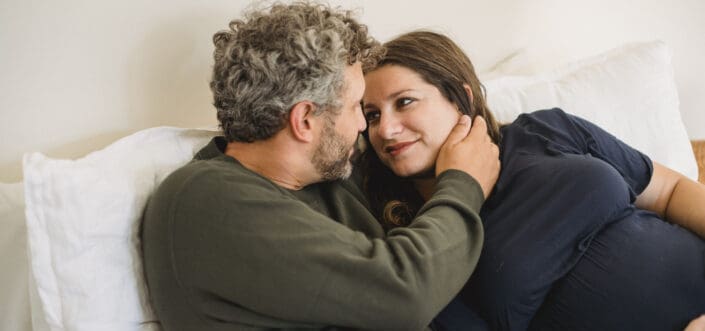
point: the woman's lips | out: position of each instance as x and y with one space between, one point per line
399 148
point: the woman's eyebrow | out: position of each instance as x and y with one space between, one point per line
396 94
372 106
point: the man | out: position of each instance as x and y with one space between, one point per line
261 231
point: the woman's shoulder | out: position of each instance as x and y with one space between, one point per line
551 131
548 122
552 116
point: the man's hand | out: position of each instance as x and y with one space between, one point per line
473 153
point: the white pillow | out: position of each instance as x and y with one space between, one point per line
629 91
83 222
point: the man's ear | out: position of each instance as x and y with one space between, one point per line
301 120
469 91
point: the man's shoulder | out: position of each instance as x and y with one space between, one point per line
216 175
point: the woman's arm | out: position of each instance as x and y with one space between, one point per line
675 197
697 324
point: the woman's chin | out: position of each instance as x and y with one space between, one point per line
407 172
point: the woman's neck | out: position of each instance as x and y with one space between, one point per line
425 187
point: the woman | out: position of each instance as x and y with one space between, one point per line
575 237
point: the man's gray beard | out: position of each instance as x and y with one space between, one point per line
331 158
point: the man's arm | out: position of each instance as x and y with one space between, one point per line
279 258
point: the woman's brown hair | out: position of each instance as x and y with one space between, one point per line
441 63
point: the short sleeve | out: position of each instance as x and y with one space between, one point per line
579 135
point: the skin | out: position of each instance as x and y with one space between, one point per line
409 120
297 156
675 197
697 324
337 138
400 109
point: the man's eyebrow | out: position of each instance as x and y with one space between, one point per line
367 106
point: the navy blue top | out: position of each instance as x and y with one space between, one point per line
563 181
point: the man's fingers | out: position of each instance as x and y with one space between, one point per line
479 126
459 131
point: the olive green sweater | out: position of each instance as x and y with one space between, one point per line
226 249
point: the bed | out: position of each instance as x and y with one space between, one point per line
69 245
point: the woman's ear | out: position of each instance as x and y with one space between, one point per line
301 121
469 91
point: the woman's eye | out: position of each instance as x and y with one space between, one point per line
371 116
402 102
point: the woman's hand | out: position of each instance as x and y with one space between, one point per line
473 153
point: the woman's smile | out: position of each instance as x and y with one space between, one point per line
398 148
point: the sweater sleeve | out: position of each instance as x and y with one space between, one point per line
248 245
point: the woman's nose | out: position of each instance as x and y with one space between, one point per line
389 125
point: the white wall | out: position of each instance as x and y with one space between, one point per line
76 75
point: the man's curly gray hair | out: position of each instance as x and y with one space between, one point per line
271 60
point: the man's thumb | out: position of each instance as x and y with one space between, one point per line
460 130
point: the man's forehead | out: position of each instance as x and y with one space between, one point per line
354 79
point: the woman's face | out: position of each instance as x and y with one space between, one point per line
408 119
